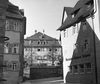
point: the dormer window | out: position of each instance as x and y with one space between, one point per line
75 13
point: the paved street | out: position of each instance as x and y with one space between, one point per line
45 81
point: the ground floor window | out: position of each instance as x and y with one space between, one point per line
88 67
11 66
80 68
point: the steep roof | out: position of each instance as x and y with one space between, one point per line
40 36
13 11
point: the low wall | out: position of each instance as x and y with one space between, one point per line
45 72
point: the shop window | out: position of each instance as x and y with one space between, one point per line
81 68
88 67
75 69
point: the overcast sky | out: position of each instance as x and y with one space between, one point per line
43 14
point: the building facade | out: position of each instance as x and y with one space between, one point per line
81 43
14 29
3 7
41 49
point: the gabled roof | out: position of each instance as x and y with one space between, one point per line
42 40
82 10
40 36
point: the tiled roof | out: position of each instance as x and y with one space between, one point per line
82 10
42 40
40 36
13 11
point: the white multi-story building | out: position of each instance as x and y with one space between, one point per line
14 28
81 43
42 49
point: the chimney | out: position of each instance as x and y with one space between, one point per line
22 11
35 31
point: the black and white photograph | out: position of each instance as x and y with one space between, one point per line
49 41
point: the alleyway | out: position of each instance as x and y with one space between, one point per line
56 80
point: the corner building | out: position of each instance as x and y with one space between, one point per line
14 29
81 43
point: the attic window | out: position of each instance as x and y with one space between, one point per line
42 36
76 11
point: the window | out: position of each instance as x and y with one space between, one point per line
74 29
47 42
86 45
81 67
44 43
49 49
38 42
88 67
38 50
7 25
5 64
13 25
41 42
10 49
15 48
84 26
26 49
70 69
75 69
45 57
14 66
55 49
6 48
